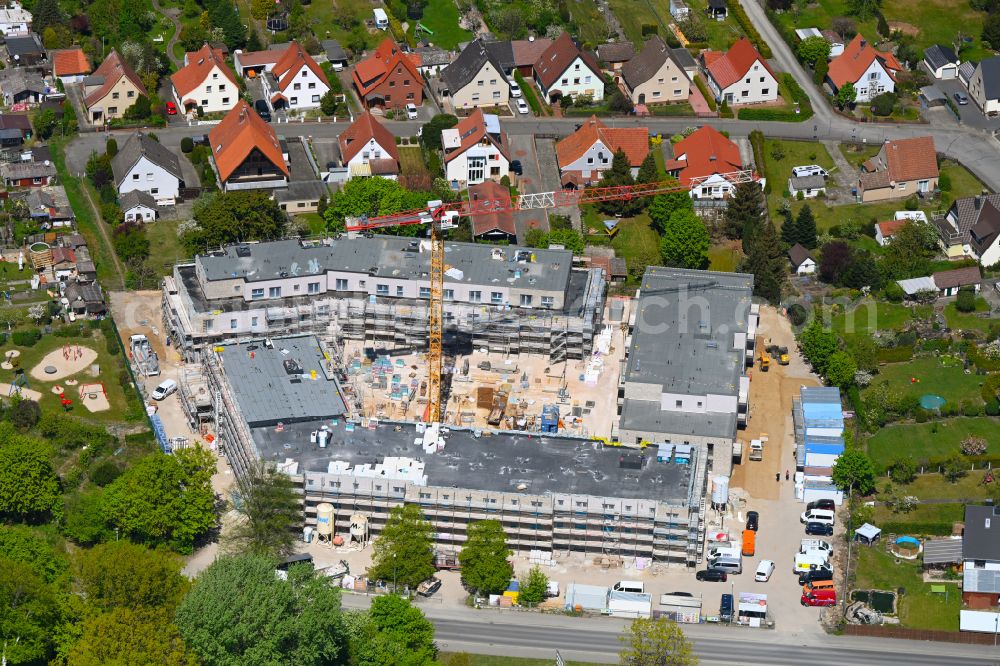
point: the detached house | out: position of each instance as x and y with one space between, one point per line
70 65
705 161
984 86
587 153
740 75
872 72
802 262
971 227
246 152
389 78
205 82
901 168
369 149
498 223
111 90
476 78
981 557
291 78
654 76
144 164
476 149
139 206
564 69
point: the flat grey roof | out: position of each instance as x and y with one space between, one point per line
646 415
942 551
302 190
982 533
684 332
274 384
390 257
498 463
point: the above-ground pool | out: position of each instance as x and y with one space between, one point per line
908 541
931 401
907 548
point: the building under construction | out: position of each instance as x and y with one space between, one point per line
280 400
377 289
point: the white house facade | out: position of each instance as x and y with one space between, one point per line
756 87
578 79
147 176
216 93
478 163
874 82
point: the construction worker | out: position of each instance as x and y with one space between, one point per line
786 475
777 477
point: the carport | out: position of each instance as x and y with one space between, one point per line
942 552
931 96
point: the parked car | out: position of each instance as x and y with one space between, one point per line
764 571
411 111
515 90
262 109
825 504
171 108
821 597
166 388
816 573
961 98
819 529
712 575
516 168
726 608
429 587
818 516
522 106
679 594
753 520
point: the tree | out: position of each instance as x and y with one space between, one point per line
44 122
129 636
685 241
120 574
29 611
833 261
26 545
535 587
864 9
25 414
764 258
130 241
664 205
882 105
619 174
845 27
45 14
746 207
846 95
910 251
430 139
862 271
253 41
991 30
269 511
659 642
805 226
789 228
29 489
536 238
164 499
840 369
111 148
648 172
230 217
820 70
812 50
955 467
399 629
966 300
140 109
818 344
404 552
854 469
259 10
903 470
238 613
372 197
568 238
485 569
328 103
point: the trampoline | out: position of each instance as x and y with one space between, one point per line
931 401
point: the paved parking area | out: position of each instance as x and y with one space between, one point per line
970 113
326 151
522 147
298 161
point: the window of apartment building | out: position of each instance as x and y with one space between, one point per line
215 75
392 84
222 87
496 94
293 101
873 76
565 82
765 91
548 301
576 67
312 85
382 289
526 299
296 287
475 97
204 102
677 91
256 293
313 287
149 176
135 176
746 93
274 292
475 297
208 325
425 495
425 292
679 403
253 322
112 110
399 290
748 80
656 93
406 82
232 324
449 294
576 81
496 297
154 190
341 284
409 95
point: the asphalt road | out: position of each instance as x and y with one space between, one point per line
526 634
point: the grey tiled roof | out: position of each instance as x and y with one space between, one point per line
139 145
469 63
644 66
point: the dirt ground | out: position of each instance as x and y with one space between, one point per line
771 395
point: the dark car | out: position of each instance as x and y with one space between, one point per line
819 529
712 575
260 106
815 573
753 519
726 608
825 504
516 168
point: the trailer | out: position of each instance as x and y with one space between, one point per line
752 609
631 605
143 357
681 608
756 450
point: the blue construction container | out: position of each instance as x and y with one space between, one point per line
550 418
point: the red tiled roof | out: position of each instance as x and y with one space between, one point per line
200 65
526 53
291 63
237 135
857 57
371 72
259 58
904 160
113 69
633 140
730 67
890 227
70 62
560 55
490 195
707 152
472 129
63 254
361 131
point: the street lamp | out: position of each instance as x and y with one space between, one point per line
394 573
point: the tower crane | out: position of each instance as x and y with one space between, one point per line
440 217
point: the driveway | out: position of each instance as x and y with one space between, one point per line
522 147
298 161
326 151
970 113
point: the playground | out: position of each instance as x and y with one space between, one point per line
64 362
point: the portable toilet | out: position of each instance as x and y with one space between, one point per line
664 452
513 591
682 454
550 418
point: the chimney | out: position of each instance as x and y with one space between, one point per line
863 43
978 202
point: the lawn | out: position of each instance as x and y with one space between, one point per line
935 439
723 258
162 236
317 225
935 486
978 320
441 18
858 154
633 14
781 156
871 315
721 34
636 241
918 608
923 513
589 20
411 160
943 376
320 18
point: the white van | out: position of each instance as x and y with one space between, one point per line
381 18
818 516
635 586
809 170
732 552
167 387
804 561
815 544
728 564
823 554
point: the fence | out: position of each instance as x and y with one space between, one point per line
875 631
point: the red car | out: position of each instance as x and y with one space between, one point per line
171 109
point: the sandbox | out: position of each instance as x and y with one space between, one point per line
63 362
94 397
25 392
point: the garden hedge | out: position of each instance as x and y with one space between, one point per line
917 527
751 31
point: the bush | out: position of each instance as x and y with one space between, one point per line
893 292
25 414
882 105
993 408
973 446
966 300
26 338
749 29
903 470
105 473
187 144
111 148
706 93
797 314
